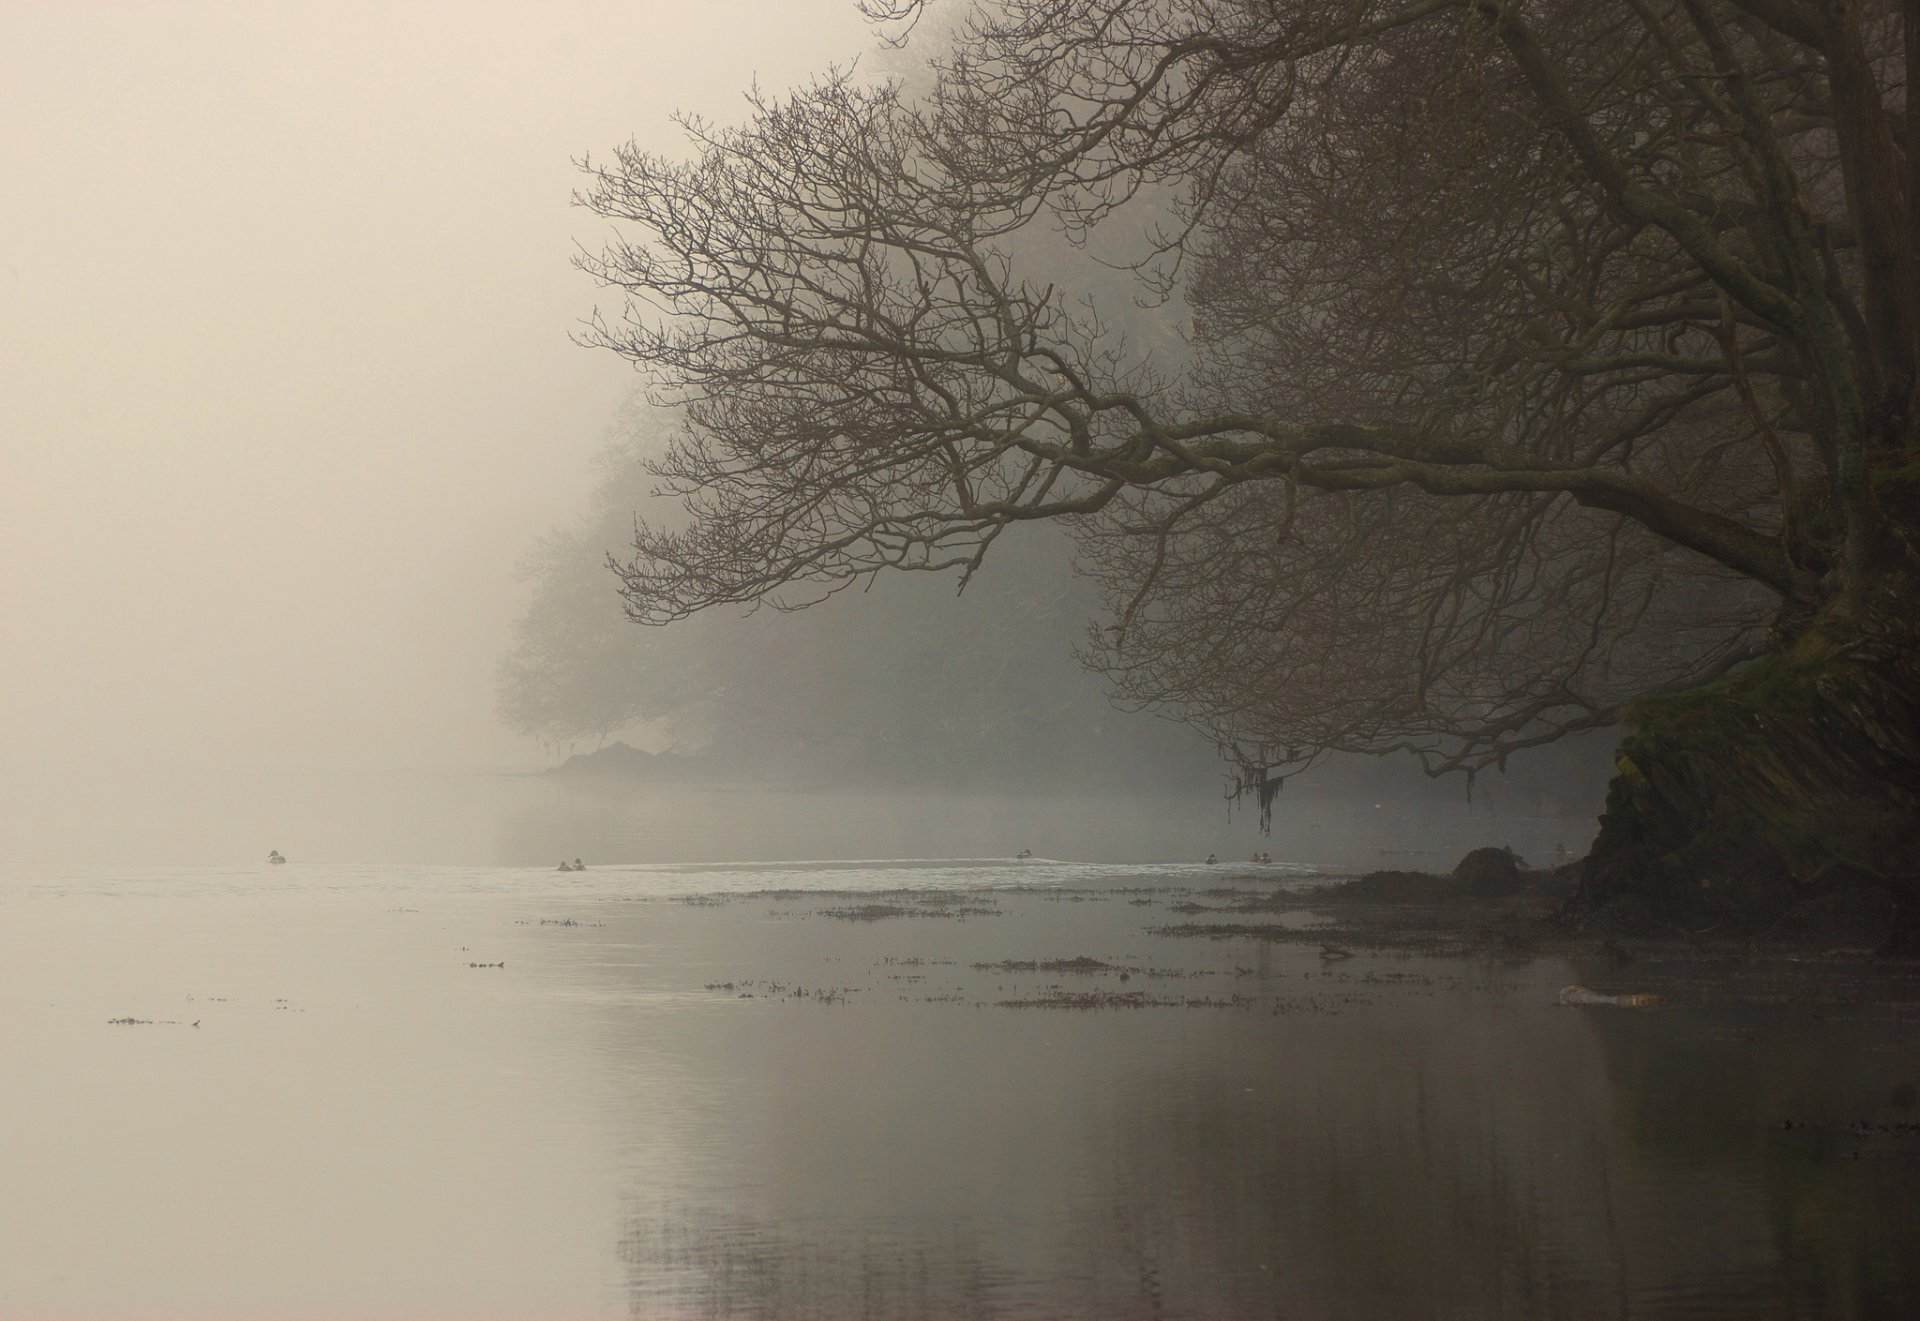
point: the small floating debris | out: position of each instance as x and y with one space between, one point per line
1580 995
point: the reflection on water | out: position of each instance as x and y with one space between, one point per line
696 1091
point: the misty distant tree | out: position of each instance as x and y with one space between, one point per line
577 672
1546 364
899 684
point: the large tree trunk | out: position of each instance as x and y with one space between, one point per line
1799 777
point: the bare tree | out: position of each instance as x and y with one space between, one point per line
1548 360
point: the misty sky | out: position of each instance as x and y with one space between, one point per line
286 387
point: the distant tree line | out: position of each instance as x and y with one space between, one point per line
894 681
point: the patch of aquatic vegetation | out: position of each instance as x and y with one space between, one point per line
872 912
1239 901
131 1021
1273 931
761 989
1054 997
1401 941
1090 1000
879 912
1081 965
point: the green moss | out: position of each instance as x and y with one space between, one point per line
1733 711
1769 787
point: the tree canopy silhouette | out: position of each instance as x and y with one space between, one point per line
1543 364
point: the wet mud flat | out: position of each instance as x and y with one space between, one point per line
1824 965
1024 948
1218 947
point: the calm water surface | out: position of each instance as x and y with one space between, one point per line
855 1090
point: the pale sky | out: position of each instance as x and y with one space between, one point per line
286 387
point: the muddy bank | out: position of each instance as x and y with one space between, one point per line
1491 905
1412 912
1332 941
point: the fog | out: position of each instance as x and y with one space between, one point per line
286 383
288 392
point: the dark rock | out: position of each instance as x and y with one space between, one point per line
1489 872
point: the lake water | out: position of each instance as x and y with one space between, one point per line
854 1089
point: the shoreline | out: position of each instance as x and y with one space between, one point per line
1538 914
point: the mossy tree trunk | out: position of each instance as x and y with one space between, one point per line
1795 777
